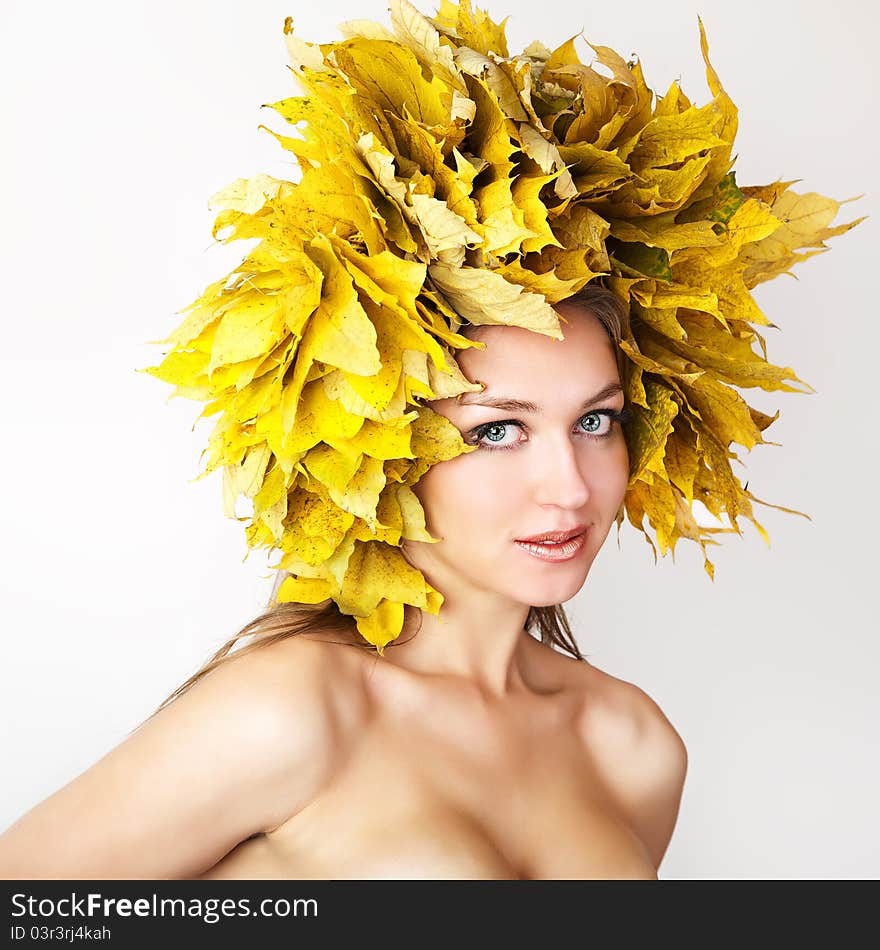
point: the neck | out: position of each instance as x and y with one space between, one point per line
484 647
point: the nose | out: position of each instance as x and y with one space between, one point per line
559 479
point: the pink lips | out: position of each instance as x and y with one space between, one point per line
555 551
561 535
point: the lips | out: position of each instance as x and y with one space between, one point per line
555 536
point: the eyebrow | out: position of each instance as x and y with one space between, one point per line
520 405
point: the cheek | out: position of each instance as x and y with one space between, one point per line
456 493
605 473
610 474
618 474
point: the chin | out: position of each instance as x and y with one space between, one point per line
549 594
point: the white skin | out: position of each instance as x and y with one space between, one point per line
480 502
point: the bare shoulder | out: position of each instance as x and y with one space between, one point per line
239 752
627 708
643 755
303 699
290 710
314 666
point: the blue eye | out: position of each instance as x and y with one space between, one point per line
477 435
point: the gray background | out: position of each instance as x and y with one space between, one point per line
118 577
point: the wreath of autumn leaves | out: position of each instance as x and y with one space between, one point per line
445 180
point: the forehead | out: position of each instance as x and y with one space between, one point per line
522 362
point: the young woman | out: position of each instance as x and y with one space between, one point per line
473 748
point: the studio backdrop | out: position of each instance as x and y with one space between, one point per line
119 574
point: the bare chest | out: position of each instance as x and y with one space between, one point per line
436 803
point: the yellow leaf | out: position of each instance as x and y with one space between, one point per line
247 195
662 231
487 71
340 332
334 467
443 229
386 72
475 28
383 625
668 139
377 571
417 32
483 297
803 221
650 429
434 439
719 162
413 515
305 590
250 328
300 52
551 285
681 461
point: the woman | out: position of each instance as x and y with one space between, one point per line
447 183
471 749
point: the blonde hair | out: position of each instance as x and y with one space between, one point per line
282 620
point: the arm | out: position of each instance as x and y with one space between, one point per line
243 749
658 778
643 759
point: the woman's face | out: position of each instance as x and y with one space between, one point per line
562 466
